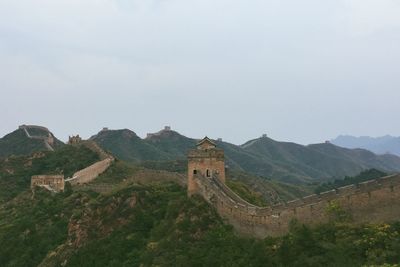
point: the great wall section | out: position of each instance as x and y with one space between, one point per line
90 173
374 201
47 140
56 183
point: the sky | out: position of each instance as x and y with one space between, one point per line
300 71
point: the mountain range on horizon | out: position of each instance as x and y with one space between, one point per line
265 157
379 145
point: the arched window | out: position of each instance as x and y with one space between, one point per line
208 173
194 171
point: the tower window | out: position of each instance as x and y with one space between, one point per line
208 173
194 171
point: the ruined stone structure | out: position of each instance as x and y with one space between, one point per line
208 161
81 177
374 201
50 182
75 139
166 129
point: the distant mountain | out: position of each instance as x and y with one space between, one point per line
28 139
167 149
265 157
292 162
379 145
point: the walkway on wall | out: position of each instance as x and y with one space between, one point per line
96 148
90 173
372 201
45 139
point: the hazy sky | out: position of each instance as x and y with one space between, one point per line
302 71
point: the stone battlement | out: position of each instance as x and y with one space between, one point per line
373 201
217 153
159 133
74 140
54 182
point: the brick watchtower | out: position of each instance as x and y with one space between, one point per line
208 161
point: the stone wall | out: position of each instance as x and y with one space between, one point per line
96 148
48 140
90 173
55 182
370 202
81 177
205 162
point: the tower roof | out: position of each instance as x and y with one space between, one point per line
206 143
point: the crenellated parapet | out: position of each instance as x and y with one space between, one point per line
53 183
373 201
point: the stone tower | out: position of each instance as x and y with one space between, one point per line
75 139
208 161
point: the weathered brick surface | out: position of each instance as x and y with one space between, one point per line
92 172
380 203
56 182
206 160
374 201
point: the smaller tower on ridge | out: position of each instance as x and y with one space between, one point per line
208 161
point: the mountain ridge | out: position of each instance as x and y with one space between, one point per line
380 145
286 161
22 142
264 157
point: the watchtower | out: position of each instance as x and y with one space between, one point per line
208 161
75 139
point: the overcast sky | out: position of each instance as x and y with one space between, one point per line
302 71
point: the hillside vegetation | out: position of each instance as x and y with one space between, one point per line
16 171
264 157
145 220
157 225
17 143
362 177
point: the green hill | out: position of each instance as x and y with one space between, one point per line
172 143
17 143
157 225
362 177
126 145
288 162
143 219
316 162
16 171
